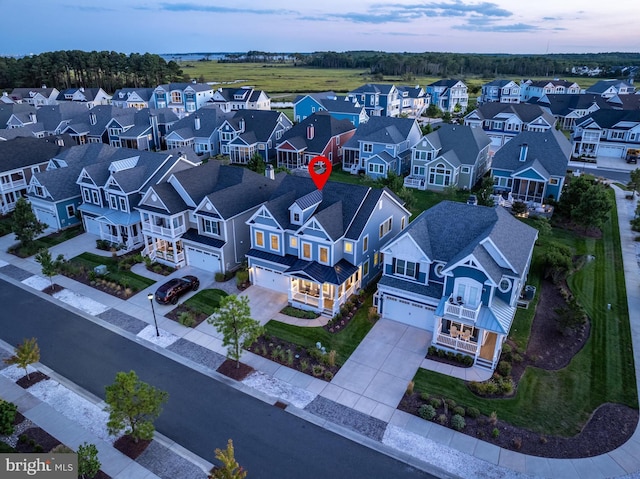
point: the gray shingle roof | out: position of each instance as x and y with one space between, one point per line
210 119
464 142
446 83
382 129
602 85
261 122
169 197
449 231
526 112
103 114
551 148
562 105
609 118
19 109
29 151
325 127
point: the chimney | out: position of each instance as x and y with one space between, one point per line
196 122
524 148
310 132
270 172
44 86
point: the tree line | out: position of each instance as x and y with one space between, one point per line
75 68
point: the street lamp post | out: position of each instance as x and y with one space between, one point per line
155 321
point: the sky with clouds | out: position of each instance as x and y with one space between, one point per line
501 26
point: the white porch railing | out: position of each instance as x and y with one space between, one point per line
415 182
457 344
12 184
460 311
307 299
169 232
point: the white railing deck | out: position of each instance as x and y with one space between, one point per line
415 182
171 232
457 344
460 311
12 184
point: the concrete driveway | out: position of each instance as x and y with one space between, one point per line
265 303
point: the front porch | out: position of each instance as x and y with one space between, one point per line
169 252
127 235
324 298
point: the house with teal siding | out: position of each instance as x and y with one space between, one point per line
457 271
182 98
381 145
321 246
532 166
341 108
378 99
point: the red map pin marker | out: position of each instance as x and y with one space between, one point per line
320 169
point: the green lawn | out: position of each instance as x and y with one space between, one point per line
131 279
206 301
560 402
344 342
47 242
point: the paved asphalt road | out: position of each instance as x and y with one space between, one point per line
202 413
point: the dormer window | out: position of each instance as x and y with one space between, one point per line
296 218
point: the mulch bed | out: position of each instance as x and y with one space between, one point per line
127 446
35 437
35 377
610 425
83 277
198 316
229 368
56 288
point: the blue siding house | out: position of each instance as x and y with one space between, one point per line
532 166
340 108
457 271
321 246
378 99
381 145
449 95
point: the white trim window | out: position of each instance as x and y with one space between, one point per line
274 242
113 202
323 255
405 268
367 147
123 204
348 247
306 251
258 239
71 211
385 227
211 227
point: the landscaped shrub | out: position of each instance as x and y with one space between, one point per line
504 368
495 433
506 352
242 277
506 385
315 353
409 390
424 396
427 412
328 375
432 351
317 370
457 422
516 442
451 403
299 313
186 319
219 277
304 365
330 358
435 402
7 416
493 418
467 361
459 410
473 412
441 353
442 419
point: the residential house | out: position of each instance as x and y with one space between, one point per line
139 129
609 88
20 158
5 99
413 100
198 132
381 145
449 95
35 96
567 109
53 192
532 166
249 132
457 271
338 107
452 155
537 89
199 216
111 192
612 133
87 96
182 98
500 91
378 99
137 98
91 126
318 134
243 98
17 115
321 246
503 121
53 119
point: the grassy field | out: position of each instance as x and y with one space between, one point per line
344 342
47 242
206 301
133 280
560 402
288 80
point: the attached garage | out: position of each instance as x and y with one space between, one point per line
270 279
91 225
611 151
408 312
496 141
203 259
47 217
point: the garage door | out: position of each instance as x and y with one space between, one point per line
270 279
91 225
46 217
203 259
612 151
408 312
496 141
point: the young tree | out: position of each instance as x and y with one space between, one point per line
234 321
133 405
593 208
558 261
88 462
256 163
24 224
485 191
26 353
230 468
50 266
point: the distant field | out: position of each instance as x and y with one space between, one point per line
284 81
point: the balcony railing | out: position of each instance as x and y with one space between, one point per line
164 231
457 344
458 310
415 182
12 184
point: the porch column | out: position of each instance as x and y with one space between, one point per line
321 297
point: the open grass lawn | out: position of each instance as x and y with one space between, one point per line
206 301
132 280
47 242
424 199
344 342
560 402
